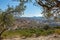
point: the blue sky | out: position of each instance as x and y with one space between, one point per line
30 11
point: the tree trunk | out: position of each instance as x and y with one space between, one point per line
1 37
2 33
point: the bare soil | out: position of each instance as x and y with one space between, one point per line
50 37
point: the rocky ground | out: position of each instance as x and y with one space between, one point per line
50 37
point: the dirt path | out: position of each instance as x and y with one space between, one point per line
38 38
49 37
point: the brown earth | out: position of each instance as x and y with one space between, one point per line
50 37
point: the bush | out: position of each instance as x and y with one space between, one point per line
46 27
57 31
58 27
29 32
26 32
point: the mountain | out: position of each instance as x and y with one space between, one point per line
40 20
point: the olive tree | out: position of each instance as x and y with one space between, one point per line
51 8
7 17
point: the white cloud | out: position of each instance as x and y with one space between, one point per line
32 15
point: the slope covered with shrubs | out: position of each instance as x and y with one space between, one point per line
31 32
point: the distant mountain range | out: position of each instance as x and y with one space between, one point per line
40 20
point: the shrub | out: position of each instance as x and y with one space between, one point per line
29 32
57 31
46 27
58 27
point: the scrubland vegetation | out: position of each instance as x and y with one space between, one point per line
31 32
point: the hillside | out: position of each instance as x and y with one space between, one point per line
31 22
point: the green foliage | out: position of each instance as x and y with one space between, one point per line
6 20
27 32
7 16
46 27
57 31
58 27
